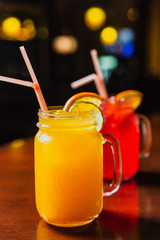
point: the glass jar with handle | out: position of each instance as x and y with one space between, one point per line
69 167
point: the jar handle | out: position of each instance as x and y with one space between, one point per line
112 187
146 132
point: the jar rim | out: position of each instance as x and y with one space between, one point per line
122 103
58 112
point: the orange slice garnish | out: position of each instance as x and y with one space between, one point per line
83 96
134 96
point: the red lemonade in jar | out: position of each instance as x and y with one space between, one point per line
121 122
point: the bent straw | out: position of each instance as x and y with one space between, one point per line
16 81
100 82
88 79
38 91
82 81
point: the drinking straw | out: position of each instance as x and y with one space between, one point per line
82 81
100 83
37 88
97 78
16 81
92 77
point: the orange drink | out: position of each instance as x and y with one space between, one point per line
68 167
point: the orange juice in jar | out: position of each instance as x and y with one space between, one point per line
68 167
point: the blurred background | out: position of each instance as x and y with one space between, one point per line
58 37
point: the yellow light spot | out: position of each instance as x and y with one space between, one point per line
32 34
108 35
17 143
65 44
23 35
28 24
133 14
11 26
95 18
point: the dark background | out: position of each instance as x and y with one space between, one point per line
55 72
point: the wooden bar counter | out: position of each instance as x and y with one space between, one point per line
133 213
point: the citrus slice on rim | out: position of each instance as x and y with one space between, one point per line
82 106
133 95
83 96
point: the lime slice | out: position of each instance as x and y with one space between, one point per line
87 106
132 95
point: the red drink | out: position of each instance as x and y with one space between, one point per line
121 122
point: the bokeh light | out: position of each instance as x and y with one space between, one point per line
108 35
128 50
13 29
65 44
124 45
11 26
28 24
23 35
95 18
133 14
126 35
108 62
